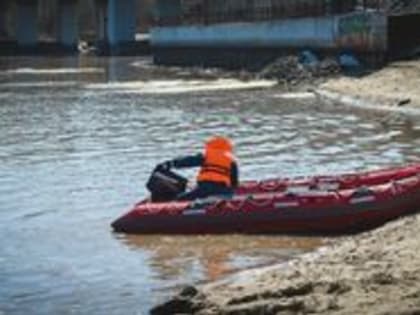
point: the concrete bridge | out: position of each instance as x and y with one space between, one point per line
114 20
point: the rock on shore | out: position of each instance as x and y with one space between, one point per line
377 272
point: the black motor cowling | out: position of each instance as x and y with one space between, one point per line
165 185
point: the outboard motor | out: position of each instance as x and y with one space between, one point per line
165 185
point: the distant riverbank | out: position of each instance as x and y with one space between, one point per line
397 85
394 85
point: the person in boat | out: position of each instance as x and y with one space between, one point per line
218 174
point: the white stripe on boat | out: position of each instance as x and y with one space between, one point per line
286 204
194 212
408 180
362 199
328 186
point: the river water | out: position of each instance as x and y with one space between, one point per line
78 139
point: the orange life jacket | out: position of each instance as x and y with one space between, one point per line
217 163
216 167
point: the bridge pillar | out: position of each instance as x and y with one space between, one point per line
121 21
67 23
3 20
27 28
101 15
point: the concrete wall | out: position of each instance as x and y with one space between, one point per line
363 32
308 31
358 31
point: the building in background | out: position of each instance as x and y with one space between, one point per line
233 33
238 33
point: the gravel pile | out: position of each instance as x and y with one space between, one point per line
291 71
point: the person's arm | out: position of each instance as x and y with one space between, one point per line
234 175
184 162
188 161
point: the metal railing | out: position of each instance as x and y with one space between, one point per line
208 12
399 7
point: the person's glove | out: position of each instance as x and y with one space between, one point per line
165 166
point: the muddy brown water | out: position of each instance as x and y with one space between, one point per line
78 138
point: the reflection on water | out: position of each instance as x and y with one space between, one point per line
78 139
215 256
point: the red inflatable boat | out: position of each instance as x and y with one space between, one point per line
318 205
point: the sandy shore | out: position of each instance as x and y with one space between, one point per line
377 272
397 84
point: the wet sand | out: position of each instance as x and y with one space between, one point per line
377 272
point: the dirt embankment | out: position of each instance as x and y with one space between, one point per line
373 273
396 84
